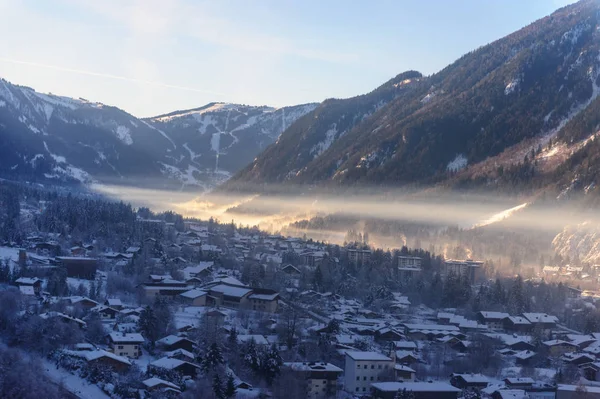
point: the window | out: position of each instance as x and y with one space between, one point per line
364 389
372 366
357 378
386 366
371 378
358 366
120 347
379 367
364 378
356 389
365 366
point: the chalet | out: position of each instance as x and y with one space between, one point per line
216 316
81 301
114 303
50 248
29 286
156 384
194 297
543 320
78 267
259 340
418 390
524 358
510 394
406 357
405 345
404 373
591 371
181 354
173 342
557 347
291 270
517 324
388 334
519 383
469 381
578 358
129 345
203 270
494 320
105 312
263 300
172 364
230 296
320 377
101 357
164 286
133 250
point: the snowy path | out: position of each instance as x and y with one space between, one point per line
77 386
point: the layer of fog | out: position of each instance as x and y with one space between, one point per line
274 211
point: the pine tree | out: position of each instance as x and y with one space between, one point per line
149 325
271 363
212 359
230 389
217 386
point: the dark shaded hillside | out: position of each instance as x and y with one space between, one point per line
523 86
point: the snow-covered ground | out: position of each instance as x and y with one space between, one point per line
74 384
458 163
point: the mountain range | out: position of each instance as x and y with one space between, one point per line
45 137
519 113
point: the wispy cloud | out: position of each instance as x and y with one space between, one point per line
149 18
107 76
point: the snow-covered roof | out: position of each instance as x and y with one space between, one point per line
129 338
28 280
520 380
473 378
170 340
258 339
193 294
180 351
556 342
574 388
524 355
367 356
512 394
401 367
229 290
264 297
540 318
313 366
494 315
430 327
437 386
93 355
114 302
153 382
170 363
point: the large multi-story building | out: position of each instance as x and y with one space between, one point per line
409 267
364 368
357 256
465 268
321 378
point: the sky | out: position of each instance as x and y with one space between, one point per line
150 57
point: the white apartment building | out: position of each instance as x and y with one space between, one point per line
365 368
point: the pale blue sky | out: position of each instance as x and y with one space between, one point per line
150 57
